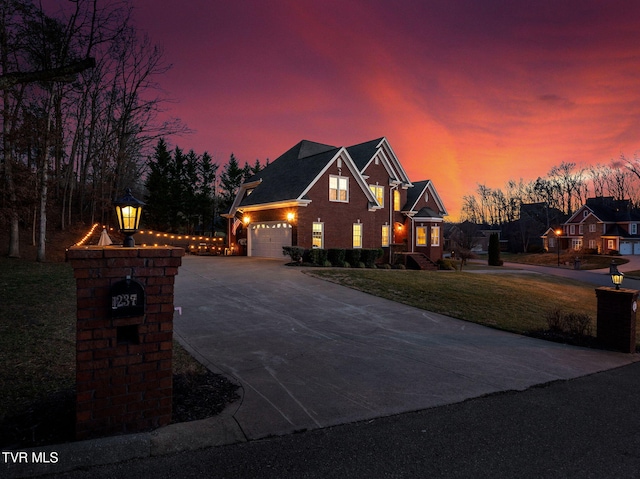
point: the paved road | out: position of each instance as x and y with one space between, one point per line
311 354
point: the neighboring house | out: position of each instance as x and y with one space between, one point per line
322 196
603 224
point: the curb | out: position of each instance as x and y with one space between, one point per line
215 431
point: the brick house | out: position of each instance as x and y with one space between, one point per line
322 196
603 225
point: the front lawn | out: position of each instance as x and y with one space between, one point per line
517 302
567 259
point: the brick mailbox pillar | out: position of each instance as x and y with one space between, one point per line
124 337
617 318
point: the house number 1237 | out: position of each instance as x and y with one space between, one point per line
124 301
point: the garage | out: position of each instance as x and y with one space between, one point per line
626 247
266 239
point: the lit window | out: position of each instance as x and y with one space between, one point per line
357 235
317 235
339 188
592 244
576 244
611 244
435 236
385 235
378 192
396 200
421 236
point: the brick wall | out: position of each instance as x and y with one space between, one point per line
123 365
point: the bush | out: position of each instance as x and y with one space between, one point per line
494 250
447 264
336 256
369 256
294 252
318 256
578 324
352 256
535 248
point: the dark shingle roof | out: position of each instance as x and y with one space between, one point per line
288 175
363 152
414 193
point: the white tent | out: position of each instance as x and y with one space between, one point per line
104 240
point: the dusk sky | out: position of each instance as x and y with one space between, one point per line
466 92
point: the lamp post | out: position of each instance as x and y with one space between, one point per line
616 276
558 232
128 212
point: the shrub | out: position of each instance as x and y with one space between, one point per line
353 256
447 264
573 323
369 256
294 252
327 264
494 250
336 256
318 256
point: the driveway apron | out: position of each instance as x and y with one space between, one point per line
309 353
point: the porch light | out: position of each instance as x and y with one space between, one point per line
246 220
290 217
128 212
616 276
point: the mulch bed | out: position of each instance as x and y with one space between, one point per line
52 421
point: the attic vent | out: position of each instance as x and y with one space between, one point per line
339 163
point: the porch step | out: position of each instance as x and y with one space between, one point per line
419 261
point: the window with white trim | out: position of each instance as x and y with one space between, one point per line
633 229
421 236
592 244
611 244
396 200
577 244
592 228
317 235
378 192
385 235
357 235
339 188
581 229
435 235
572 229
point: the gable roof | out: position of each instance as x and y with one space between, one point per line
607 210
416 193
364 153
287 179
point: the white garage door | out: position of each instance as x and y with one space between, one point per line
626 248
636 248
267 239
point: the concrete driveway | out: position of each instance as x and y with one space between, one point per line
310 354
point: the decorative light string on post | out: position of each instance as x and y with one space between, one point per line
128 212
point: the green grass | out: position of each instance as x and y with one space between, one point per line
509 301
567 259
37 331
38 334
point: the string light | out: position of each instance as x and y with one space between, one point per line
87 236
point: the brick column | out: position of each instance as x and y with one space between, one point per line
124 378
617 318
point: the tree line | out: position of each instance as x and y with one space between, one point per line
564 189
184 192
80 112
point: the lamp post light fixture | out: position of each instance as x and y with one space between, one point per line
128 212
616 276
558 232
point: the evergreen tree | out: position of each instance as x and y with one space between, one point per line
158 184
494 250
230 180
